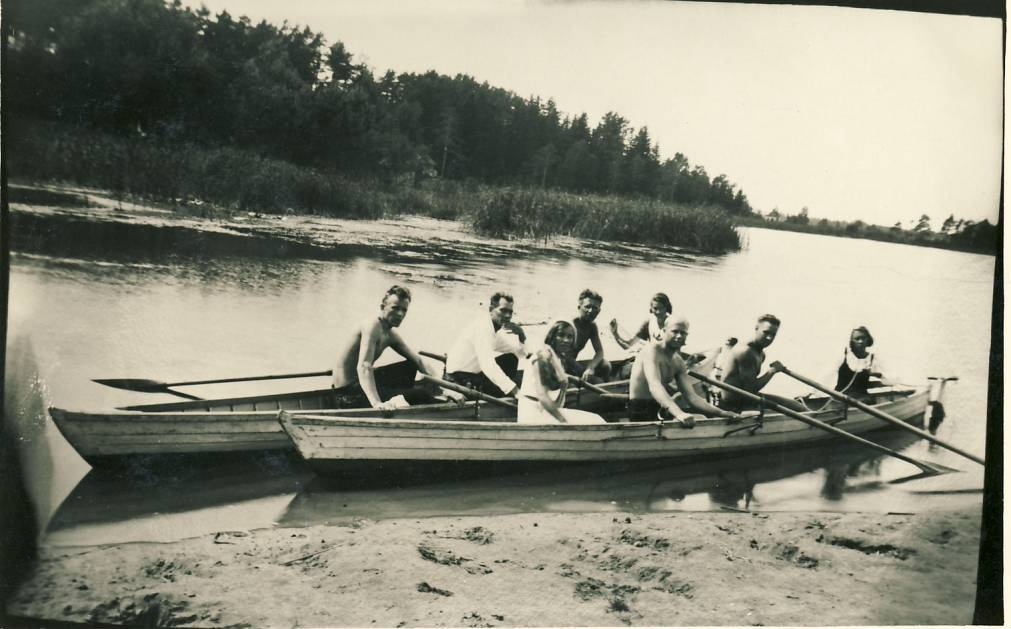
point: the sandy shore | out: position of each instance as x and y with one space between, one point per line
523 570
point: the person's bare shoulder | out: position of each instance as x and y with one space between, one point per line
740 351
649 351
370 327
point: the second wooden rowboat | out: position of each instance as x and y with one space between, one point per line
420 441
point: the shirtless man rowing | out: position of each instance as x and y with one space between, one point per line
357 357
741 365
658 364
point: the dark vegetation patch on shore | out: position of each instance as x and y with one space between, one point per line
539 214
212 181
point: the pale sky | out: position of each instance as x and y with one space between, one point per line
876 115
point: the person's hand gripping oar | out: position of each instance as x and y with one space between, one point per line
870 410
928 469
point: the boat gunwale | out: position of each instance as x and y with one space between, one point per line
336 419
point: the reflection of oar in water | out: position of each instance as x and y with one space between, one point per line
471 393
880 415
929 469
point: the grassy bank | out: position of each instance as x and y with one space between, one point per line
242 181
537 213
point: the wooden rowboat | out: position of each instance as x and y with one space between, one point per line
201 426
239 424
420 441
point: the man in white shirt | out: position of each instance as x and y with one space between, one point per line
486 356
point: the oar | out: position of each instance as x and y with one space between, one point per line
929 469
154 386
472 393
579 382
870 410
573 379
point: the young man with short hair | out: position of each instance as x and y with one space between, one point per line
357 357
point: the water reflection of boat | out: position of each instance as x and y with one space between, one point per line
141 489
725 481
241 423
417 441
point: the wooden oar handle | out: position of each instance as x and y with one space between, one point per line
281 376
870 410
472 393
433 355
579 382
926 467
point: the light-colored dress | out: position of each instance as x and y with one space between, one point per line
529 409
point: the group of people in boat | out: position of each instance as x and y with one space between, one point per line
489 352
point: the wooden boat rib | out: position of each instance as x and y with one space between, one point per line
345 442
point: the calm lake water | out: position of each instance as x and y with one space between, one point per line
104 294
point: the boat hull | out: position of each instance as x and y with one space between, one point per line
239 424
339 445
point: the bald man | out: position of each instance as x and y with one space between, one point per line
658 364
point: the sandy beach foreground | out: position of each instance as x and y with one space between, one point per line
530 570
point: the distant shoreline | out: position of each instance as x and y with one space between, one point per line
864 232
61 194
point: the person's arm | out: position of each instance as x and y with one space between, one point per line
400 346
878 371
484 345
366 371
622 342
541 367
762 380
657 387
598 354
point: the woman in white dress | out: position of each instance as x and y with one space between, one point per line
542 393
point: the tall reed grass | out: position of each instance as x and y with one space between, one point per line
540 214
243 181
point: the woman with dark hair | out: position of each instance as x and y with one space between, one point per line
651 329
853 374
542 393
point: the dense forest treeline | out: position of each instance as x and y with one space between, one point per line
150 68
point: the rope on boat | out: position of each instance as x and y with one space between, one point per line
828 400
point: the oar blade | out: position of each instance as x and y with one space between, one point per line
928 470
132 384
